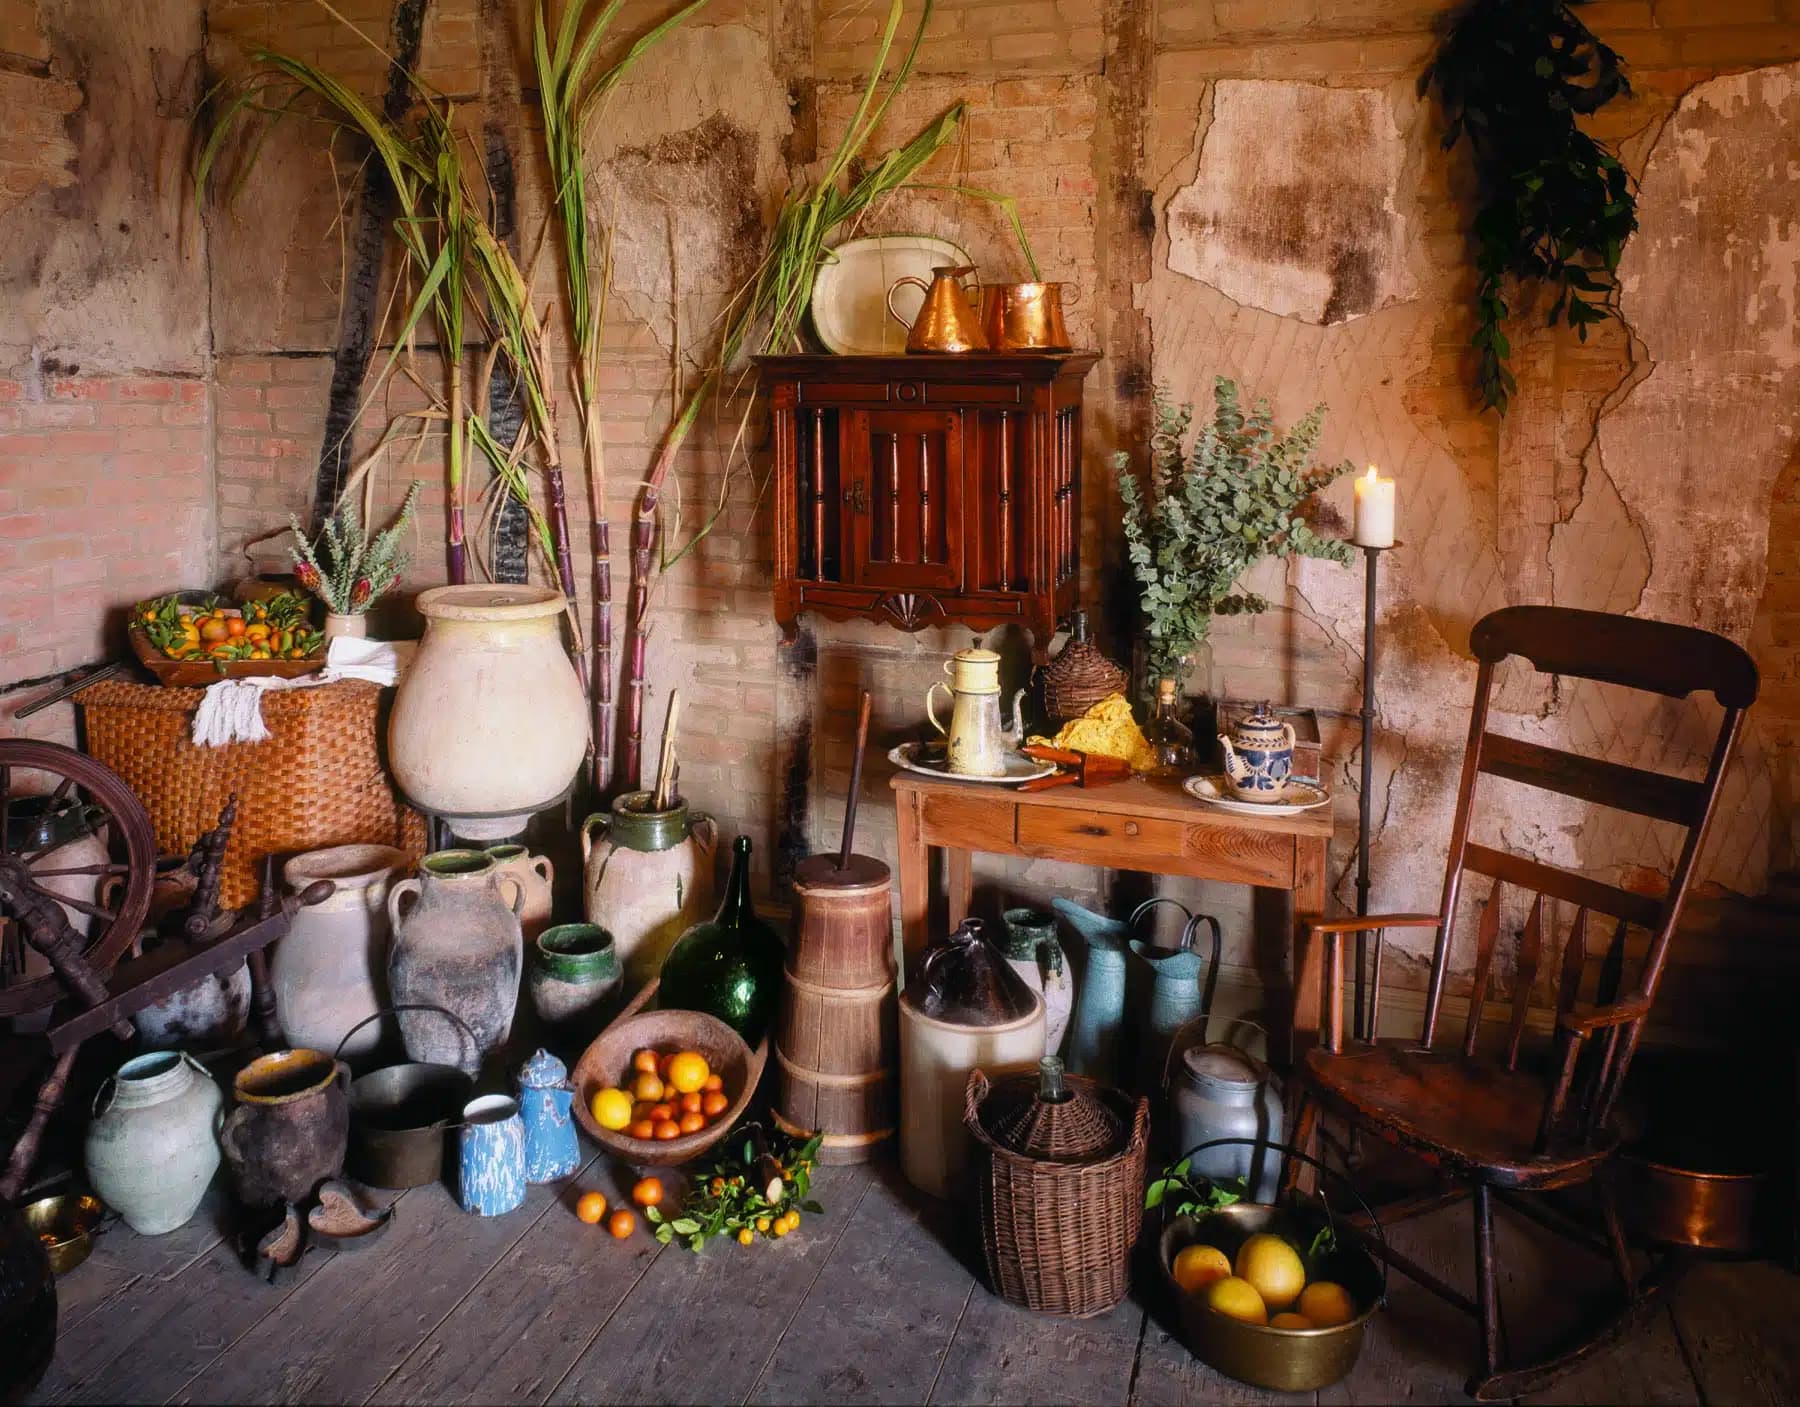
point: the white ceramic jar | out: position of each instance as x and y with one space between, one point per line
935 1060
154 1143
330 970
489 724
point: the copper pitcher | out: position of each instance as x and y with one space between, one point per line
1024 317
946 322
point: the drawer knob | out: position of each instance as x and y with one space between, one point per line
1131 828
909 391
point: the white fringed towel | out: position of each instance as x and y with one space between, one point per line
231 710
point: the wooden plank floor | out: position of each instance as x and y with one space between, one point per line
880 1300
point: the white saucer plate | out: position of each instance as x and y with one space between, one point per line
1297 796
1019 768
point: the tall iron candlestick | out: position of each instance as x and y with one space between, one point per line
1366 796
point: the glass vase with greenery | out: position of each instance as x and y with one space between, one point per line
1203 516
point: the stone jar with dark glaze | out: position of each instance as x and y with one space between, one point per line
290 1127
458 946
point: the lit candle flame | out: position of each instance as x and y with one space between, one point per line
1370 476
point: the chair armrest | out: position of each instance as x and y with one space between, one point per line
1584 1023
1369 922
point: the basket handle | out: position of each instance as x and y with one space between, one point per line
338 1054
1288 1150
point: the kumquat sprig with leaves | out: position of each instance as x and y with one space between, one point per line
745 1192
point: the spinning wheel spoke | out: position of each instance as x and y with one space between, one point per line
63 788
82 869
81 906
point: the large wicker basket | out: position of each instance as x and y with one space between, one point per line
315 781
1058 1233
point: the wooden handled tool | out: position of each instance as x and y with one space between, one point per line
1086 769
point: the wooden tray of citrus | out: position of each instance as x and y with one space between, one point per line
658 1088
190 639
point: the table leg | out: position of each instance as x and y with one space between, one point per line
1309 966
915 877
959 880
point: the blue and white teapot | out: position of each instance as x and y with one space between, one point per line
1259 756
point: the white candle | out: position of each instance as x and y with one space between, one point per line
1374 525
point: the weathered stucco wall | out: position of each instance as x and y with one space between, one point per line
1247 188
105 448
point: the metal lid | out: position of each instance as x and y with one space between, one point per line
543 1071
1222 1065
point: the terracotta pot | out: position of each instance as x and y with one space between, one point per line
290 1127
647 879
535 875
210 1014
489 724
457 946
154 1143
330 970
351 627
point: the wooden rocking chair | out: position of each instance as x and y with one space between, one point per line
1488 1125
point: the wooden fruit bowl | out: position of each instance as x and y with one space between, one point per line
605 1063
197 674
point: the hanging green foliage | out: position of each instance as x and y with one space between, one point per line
1556 205
1203 517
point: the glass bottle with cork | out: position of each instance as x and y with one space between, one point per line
1171 741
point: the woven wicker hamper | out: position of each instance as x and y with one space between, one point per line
317 780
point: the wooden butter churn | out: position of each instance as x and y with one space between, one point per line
836 1039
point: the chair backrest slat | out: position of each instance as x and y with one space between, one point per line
1653 655
1561 884
1485 937
1531 949
1574 960
1654 794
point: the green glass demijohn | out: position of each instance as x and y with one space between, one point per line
729 966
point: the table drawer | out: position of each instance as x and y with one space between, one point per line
1118 840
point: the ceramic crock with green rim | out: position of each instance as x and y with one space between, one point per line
572 975
647 877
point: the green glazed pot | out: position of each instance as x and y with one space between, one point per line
573 975
636 827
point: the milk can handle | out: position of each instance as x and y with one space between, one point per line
1288 1150
338 1054
1201 1021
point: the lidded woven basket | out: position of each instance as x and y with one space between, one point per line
1060 1168
1080 676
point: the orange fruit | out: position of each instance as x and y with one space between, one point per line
692 1123
667 1129
212 630
713 1104
659 1112
622 1224
644 1061
713 1082
641 1128
591 1208
647 1086
663 1062
648 1192
641 1109
690 1103
688 1071
611 1108
234 626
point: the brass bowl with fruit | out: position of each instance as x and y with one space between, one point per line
1274 1296
189 639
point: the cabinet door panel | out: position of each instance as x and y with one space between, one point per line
903 497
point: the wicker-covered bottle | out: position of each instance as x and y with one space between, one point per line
1080 676
1059 1168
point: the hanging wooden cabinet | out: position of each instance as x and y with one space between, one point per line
918 490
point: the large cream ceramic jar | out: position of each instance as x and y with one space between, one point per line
490 724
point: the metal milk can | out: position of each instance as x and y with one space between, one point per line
1218 1091
977 740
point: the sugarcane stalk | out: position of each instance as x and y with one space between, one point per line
455 555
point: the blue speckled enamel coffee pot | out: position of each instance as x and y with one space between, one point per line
545 1101
492 1168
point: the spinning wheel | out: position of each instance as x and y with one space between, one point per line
119 900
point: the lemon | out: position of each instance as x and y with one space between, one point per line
688 1072
1289 1320
1327 1304
1273 1267
1237 1299
612 1108
1196 1267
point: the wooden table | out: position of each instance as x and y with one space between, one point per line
1142 825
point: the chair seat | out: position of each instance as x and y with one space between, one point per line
1475 1117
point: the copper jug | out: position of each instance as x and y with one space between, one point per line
1024 317
946 322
